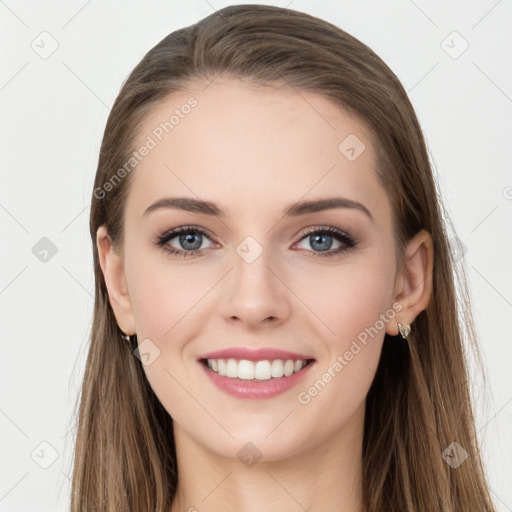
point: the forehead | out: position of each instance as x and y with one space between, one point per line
245 146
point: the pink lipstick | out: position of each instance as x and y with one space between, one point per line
255 373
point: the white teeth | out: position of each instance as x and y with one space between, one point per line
289 367
262 370
251 370
232 369
245 369
277 368
222 366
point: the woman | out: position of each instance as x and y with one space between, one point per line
275 323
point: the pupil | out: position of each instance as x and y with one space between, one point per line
316 239
186 239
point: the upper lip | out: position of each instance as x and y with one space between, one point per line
254 354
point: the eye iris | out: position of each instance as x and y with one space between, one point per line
320 237
189 238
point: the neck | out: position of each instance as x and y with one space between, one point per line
327 477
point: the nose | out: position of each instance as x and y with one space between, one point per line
255 294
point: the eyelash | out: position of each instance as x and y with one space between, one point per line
349 241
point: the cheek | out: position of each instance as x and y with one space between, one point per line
168 304
347 300
163 295
352 306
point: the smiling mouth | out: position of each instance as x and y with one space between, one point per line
257 371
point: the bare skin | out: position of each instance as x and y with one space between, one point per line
254 152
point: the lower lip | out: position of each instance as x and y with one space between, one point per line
258 389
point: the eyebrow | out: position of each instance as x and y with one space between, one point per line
190 204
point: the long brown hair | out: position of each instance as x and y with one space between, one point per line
419 402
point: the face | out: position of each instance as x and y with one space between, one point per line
316 283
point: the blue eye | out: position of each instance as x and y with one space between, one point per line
191 240
321 239
189 237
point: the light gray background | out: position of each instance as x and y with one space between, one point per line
53 112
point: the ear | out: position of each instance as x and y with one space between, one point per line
112 265
413 286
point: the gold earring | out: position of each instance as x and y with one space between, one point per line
125 336
404 329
